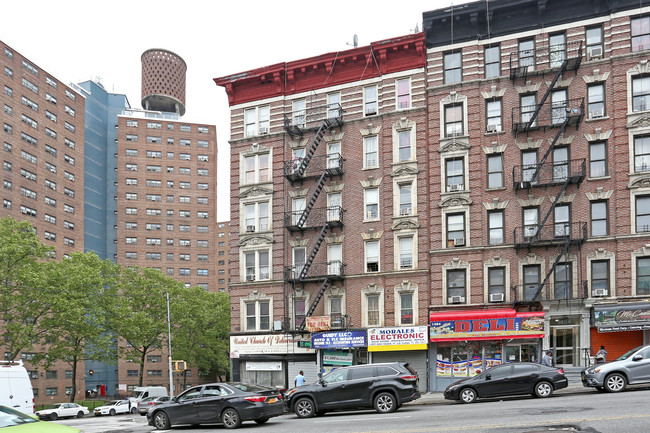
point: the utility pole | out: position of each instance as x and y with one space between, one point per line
169 341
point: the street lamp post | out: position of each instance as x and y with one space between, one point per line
169 341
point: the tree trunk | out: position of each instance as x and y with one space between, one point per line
75 361
142 360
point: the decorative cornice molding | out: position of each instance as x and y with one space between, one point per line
563 140
299 242
329 138
453 98
372 288
496 204
456 263
642 68
455 199
255 149
372 235
496 261
493 93
256 191
409 169
334 188
370 130
639 181
639 121
596 77
496 147
254 240
371 182
563 198
334 239
529 144
298 144
454 144
643 251
405 224
600 254
403 124
531 259
600 194
531 201
256 295
599 135
298 192
560 84
528 88
406 287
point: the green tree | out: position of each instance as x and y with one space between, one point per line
26 286
139 313
78 321
200 330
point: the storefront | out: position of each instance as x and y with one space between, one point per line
337 349
620 327
465 343
404 344
271 359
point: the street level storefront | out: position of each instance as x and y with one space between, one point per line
465 343
271 359
620 327
403 344
337 349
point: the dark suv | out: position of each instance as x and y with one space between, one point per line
382 386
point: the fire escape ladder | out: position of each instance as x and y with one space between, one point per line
550 210
559 73
326 284
314 251
564 248
551 147
312 200
324 127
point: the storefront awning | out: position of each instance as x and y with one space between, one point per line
485 325
622 317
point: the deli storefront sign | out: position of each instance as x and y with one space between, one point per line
272 344
338 340
622 317
485 325
403 338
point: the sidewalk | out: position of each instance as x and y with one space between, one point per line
575 387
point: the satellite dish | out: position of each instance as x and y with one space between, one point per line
355 40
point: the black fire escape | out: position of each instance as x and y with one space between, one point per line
556 117
316 168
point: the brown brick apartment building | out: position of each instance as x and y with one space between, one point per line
495 190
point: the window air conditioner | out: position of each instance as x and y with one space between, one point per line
493 128
456 187
496 297
600 292
523 185
250 229
456 299
250 277
371 111
594 114
405 211
264 130
68 392
594 53
370 215
459 242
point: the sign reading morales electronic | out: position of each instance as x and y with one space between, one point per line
403 338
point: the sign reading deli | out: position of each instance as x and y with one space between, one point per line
404 338
622 317
486 325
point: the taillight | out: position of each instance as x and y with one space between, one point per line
151 402
409 377
560 370
256 399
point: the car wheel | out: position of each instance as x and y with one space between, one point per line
261 420
304 408
385 403
53 416
615 382
80 414
230 418
161 421
543 389
133 410
111 412
467 395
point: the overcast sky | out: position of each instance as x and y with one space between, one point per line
78 40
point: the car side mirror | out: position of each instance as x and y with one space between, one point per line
637 358
488 376
322 383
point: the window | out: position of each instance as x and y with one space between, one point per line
594 43
642 214
185 142
184 185
202 129
562 286
333 105
154 373
186 128
257 168
527 54
370 100
201 143
492 62
8 110
455 175
131 241
333 154
642 154
562 217
257 121
372 302
596 101
598 159
202 172
641 93
371 199
131 211
643 276
494 120
299 113
131 167
152 256
69 126
528 105
456 286
29 85
455 229
371 152
51 391
496 229
154 154
298 312
640 33
453 67
600 277
557 49
560 164
256 265
529 165
495 170
496 284
405 198
599 220
531 220
406 252
558 106
258 316
154 183
372 256
404 93
8 72
256 216
131 255
453 120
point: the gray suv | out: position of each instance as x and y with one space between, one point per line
631 368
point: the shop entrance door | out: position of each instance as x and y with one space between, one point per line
527 352
563 341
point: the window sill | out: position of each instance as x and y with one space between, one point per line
595 119
599 178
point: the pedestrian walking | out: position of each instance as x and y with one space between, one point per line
601 355
547 359
300 379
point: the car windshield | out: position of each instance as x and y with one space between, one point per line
113 403
629 353
10 417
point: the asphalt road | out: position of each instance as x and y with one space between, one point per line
591 412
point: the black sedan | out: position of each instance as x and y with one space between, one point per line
515 378
218 403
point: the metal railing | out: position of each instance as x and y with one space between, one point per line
334 269
550 234
549 292
553 114
296 123
549 173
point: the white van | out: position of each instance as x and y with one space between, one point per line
15 387
142 392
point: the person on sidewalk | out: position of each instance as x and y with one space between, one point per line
601 355
299 380
547 359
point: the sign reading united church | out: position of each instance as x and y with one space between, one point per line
275 344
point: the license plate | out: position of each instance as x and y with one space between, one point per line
272 400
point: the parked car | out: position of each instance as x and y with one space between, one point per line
62 410
384 386
516 378
114 407
12 420
632 368
149 402
141 392
15 387
229 404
